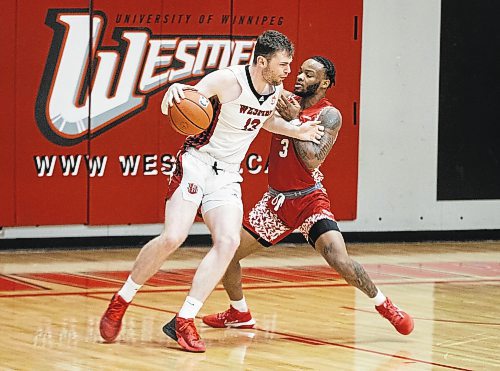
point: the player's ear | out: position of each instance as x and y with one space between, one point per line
325 84
261 61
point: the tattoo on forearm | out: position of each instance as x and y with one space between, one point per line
314 154
323 149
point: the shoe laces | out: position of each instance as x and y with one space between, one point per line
115 310
223 316
393 312
187 327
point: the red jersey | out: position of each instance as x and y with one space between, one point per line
287 172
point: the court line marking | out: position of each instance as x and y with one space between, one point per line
250 287
431 319
469 340
309 340
291 337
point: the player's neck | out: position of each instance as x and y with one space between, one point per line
260 85
307 102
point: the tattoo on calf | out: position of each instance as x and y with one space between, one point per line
363 281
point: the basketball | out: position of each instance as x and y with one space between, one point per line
191 115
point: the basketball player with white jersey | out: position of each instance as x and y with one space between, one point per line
297 200
207 177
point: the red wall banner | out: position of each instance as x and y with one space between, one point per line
83 137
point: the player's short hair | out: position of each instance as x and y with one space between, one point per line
329 68
270 42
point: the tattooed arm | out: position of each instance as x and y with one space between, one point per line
313 154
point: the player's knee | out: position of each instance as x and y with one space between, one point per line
335 254
171 241
227 243
331 251
321 227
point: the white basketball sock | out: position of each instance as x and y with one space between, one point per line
190 308
129 289
379 298
240 305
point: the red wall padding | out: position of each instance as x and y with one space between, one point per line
56 80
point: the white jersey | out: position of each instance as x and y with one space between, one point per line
236 123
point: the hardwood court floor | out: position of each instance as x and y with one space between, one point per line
307 317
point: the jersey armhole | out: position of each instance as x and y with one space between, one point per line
239 83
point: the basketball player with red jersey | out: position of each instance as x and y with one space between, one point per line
297 200
207 177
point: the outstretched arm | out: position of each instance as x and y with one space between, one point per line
313 154
308 131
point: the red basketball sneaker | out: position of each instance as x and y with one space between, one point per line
184 332
400 320
230 318
111 321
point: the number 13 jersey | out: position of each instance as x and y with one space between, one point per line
236 123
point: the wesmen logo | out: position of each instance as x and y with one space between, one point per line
192 188
88 88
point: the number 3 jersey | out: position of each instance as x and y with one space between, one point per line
236 123
287 171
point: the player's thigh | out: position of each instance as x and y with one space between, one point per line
222 190
248 245
222 208
265 223
224 223
191 178
179 215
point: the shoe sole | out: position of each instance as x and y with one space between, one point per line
108 339
245 325
169 330
242 325
184 345
407 331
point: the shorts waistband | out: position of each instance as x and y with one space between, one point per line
295 194
213 162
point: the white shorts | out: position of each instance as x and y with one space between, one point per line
206 181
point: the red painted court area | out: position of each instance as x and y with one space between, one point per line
273 275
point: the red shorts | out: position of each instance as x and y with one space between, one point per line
270 226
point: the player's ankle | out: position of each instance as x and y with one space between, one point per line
240 305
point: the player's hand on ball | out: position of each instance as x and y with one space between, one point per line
311 131
175 91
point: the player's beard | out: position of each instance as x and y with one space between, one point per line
270 78
310 91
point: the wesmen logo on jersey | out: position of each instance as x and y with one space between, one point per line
192 188
88 88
